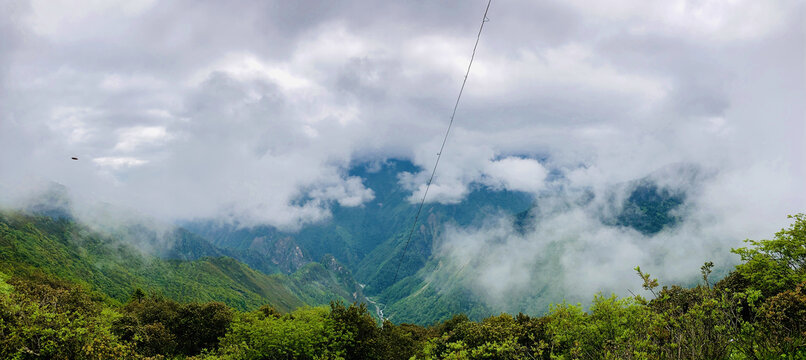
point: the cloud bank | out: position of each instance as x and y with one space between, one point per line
254 111
575 249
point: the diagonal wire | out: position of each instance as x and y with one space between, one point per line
484 19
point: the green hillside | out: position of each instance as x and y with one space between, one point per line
757 312
370 239
72 251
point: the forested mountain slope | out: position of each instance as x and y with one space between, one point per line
249 266
69 250
370 239
758 311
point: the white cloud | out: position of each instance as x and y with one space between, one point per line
350 192
721 20
245 67
518 174
73 122
241 109
131 138
116 163
574 67
59 17
572 252
119 82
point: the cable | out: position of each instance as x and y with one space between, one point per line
484 19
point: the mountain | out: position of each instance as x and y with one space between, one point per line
191 270
356 252
438 288
370 239
756 311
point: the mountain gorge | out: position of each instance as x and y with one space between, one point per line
370 240
136 287
455 250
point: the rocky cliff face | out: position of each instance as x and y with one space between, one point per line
282 251
345 277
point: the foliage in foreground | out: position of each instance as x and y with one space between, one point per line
757 312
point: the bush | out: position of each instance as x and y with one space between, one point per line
156 325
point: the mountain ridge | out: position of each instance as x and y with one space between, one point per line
370 238
64 248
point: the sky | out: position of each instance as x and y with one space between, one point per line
238 109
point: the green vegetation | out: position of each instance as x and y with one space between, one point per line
370 239
757 312
649 208
73 252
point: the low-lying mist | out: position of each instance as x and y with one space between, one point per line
572 248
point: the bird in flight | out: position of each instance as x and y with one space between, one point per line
74 158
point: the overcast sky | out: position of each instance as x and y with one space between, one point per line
182 109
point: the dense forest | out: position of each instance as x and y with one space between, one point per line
757 311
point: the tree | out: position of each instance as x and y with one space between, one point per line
783 321
779 264
199 326
46 318
355 330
